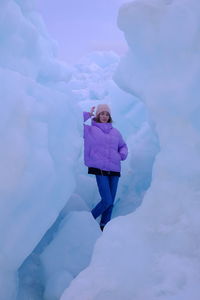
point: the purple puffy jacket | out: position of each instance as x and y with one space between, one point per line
104 147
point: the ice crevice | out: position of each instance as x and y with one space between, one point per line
51 247
67 247
154 252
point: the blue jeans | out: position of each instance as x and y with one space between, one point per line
107 186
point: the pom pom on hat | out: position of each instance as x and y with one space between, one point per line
102 107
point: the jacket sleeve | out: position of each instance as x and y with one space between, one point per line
86 116
122 148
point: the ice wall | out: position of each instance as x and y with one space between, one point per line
154 253
36 157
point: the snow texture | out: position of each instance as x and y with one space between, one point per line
36 157
49 240
153 253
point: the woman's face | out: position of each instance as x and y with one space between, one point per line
104 117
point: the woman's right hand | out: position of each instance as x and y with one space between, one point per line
92 111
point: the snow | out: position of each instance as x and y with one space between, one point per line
154 252
33 126
43 178
70 255
50 244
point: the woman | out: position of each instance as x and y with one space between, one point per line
104 148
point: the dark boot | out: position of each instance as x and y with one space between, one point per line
102 227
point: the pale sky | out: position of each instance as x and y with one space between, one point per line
81 26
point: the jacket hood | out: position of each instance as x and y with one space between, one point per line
105 127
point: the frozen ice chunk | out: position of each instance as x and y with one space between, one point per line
70 251
56 283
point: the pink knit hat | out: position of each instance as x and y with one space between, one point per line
102 107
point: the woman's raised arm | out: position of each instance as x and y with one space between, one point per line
87 115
